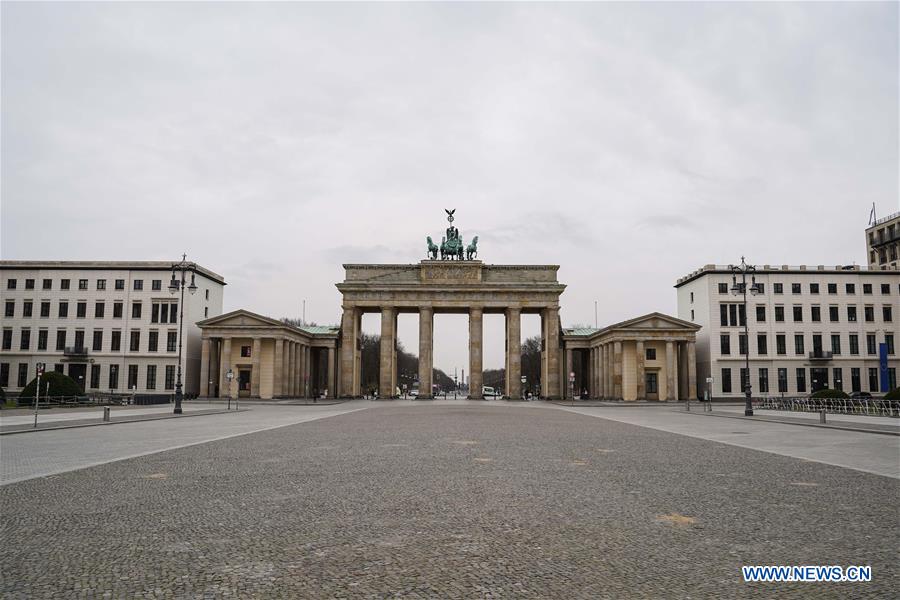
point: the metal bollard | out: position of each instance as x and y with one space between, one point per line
106 413
822 416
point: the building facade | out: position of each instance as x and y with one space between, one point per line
811 327
883 243
111 326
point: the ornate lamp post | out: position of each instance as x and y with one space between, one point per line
739 288
176 284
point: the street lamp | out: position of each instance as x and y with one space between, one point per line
182 268
739 288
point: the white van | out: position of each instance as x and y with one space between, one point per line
488 392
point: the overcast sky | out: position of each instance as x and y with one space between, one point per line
630 144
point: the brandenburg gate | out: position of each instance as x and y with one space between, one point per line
450 286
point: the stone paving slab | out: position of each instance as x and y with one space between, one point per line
443 501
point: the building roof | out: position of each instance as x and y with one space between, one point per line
580 331
319 329
96 265
245 318
654 320
787 270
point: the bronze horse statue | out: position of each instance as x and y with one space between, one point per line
472 249
432 249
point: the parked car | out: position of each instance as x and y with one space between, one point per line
488 392
861 395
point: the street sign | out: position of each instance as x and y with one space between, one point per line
709 380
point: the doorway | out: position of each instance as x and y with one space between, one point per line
243 382
78 372
651 383
819 379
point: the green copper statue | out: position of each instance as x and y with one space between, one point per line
452 246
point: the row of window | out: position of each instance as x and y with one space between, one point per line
94 380
814 288
819 378
734 315
762 344
883 255
78 343
160 312
65 284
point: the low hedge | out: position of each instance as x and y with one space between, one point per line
894 394
53 385
829 393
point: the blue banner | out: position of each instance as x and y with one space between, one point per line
883 367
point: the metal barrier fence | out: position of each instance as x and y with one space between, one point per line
849 406
94 400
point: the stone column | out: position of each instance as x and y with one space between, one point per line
255 371
278 368
426 350
332 380
386 362
349 364
292 372
307 370
595 372
570 365
298 362
204 367
692 370
225 361
617 370
640 356
476 339
551 347
670 371
513 352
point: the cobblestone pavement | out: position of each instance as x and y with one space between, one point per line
447 501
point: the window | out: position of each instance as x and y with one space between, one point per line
113 377
61 339
7 339
869 313
11 284
723 315
833 314
889 342
245 351
82 284
170 377
760 288
138 285
152 341
45 308
63 284
780 344
851 314
4 375
836 344
134 343
117 310
650 353
23 374
760 313
42 339
745 379
798 344
95 376
729 315
10 310
81 310
171 341
115 341
207 294
832 288
762 345
885 288
29 284
867 289
79 338
154 313
99 309
854 380
726 381
135 310
742 344
120 284
98 340
801 379
63 309
101 284
778 288
814 288
25 340
838 376
795 288
764 381
815 314
173 313
47 284
871 346
27 308
151 377
817 344
156 285
779 314
59 367
206 312
892 378
652 383
886 314
782 380
798 314
854 344
725 344
132 376
850 288
723 287
873 379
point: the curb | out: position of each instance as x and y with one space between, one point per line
204 414
819 425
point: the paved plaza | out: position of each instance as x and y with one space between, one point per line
443 499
